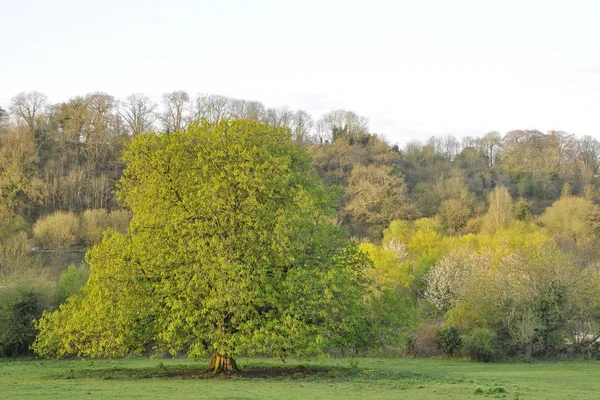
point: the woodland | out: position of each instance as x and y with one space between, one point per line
211 226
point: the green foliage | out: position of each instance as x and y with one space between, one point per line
482 345
20 188
390 311
500 211
522 210
387 271
230 251
398 230
449 341
535 286
11 226
71 281
18 308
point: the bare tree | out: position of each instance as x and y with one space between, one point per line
28 106
278 117
588 156
213 108
489 145
139 112
302 126
177 108
250 110
102 124
341 121
3 117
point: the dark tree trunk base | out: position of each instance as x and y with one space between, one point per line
222 363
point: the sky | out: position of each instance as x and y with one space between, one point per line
414 68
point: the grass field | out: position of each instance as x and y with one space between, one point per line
348 378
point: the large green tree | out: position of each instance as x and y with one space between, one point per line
231 250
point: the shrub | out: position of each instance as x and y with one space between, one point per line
448 341
423 342
70 282
15 255
18 308
12 225
57 230
93 223
119 220
481 345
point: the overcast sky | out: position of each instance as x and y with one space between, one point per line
415 68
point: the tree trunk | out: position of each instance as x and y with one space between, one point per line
528 350
222 363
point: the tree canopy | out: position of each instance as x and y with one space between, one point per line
230 251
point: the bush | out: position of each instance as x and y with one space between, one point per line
16 256
18 308
423 342
119 220
481 345
12 225
70 282
57 230
448 341
93 223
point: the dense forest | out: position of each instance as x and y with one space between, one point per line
486 245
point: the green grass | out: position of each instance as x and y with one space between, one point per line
348 378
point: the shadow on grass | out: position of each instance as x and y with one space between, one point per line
314 373
162 372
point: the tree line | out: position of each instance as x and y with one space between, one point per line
479 243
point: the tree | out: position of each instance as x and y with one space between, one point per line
573 218
28 106
139 112
57 230
302 126
456 203
213 108
176 112
3 117
341 123
489 146
230 251
588 155
374 197
20 188
500 211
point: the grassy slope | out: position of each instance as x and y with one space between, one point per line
372 378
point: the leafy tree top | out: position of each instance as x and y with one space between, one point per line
230 251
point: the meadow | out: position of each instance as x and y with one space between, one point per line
333 378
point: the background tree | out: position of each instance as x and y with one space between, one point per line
573 219
20 188
139 112
176 111
374 197
500 211
29 107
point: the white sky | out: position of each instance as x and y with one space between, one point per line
416 68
